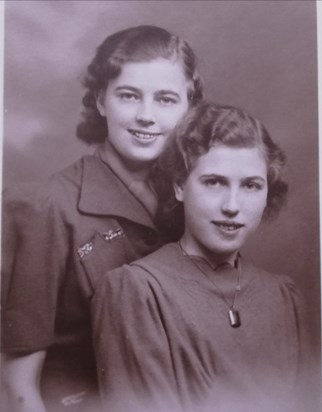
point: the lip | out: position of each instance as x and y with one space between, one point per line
228 226
144 135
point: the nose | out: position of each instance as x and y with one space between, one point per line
145 114
230 203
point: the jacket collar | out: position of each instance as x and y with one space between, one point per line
103 193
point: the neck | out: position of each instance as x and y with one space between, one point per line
214 259
139 170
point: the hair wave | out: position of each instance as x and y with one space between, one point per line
136 44
203 127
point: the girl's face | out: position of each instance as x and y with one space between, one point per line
224 199
142 106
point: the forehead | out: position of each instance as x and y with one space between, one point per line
232 162
156 74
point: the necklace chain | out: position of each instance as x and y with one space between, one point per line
233 314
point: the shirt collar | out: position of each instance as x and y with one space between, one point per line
103 193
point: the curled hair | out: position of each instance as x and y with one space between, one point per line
136 44
203 127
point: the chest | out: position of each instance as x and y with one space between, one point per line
206 347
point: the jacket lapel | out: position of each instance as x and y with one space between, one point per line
103 193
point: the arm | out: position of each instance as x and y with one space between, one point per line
133 355
31 267
20 382
306 389
33 263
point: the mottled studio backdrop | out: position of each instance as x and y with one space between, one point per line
257 55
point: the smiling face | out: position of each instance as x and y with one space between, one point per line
224 199
142 106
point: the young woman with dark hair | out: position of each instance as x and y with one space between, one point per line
193 326
95 215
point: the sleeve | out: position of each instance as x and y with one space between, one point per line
307 366
134 364
34 252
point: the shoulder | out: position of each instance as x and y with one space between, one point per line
168 256
56 189
148 276
70 175
142 272
118 289
262 273
277 284
132 288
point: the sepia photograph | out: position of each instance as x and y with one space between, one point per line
160 228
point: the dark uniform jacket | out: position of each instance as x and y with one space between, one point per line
81 219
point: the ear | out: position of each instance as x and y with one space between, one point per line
100 103
178 190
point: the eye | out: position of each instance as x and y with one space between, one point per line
253 186
128 96
213 182
167 101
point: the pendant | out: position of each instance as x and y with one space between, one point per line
234 318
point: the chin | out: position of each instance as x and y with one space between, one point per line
145 157
224 252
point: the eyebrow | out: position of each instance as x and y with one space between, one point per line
222 177
133 89
213 175
254 178
168 92
159 92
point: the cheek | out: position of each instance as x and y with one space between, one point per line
170 118
199 207
256 209
116 116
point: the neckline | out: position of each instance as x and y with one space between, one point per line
230 301
231 261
